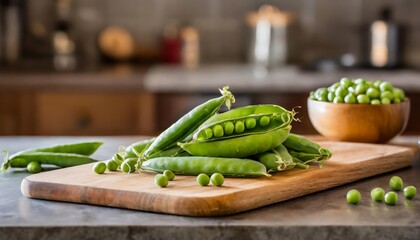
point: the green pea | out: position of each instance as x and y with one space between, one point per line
129 165
410 192
377 83
341 92
353 196
228 128
203 179
34 167
239 126
264 121
338 99
218 131
397 100
385 101
399 93
169 174
351 89
208 133
345 82
373 93
112 165
250 123
359 81
386 86
321 94
333 87
331 96
391 198
360 89
312 95
99 167
375 102
217 179
396 183
387 94
377 194
363 99
350 98
161 180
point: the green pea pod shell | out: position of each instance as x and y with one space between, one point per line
82 148
305 150
57 159
238 147
277 159
194 165
186 125
301 144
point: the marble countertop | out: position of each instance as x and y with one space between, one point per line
322 215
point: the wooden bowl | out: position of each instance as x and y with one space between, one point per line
359 122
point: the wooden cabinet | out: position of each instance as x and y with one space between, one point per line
16 112
77 113
98 113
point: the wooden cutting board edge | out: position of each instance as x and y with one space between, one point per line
217 205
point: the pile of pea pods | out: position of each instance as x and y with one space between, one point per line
248 141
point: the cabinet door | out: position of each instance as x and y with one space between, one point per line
84 113
8 114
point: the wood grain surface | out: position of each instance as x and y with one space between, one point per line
183 196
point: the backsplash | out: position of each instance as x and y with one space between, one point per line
322 28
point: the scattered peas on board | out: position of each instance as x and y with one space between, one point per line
203 179
359 91
169 174
99 167
217 179
161 180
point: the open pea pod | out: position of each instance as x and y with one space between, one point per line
249 120
238 147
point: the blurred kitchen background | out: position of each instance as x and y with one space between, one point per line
127 67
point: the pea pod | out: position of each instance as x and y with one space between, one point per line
238 147
305 150
244 121
57 159
186 125
82 148
277 159
194 165
137 147
77 152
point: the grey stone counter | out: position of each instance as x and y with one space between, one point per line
323 215
244 78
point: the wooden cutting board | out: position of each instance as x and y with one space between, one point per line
183 196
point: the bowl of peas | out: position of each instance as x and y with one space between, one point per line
359 110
